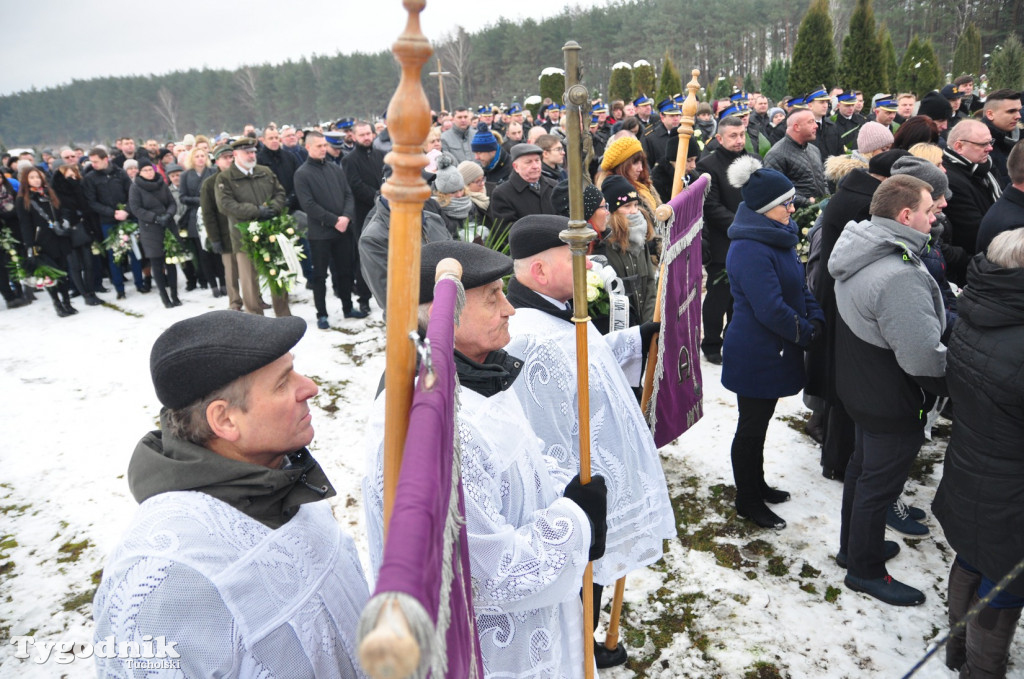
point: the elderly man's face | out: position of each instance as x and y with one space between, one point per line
976 146
289 138
277 420
528 167
483 326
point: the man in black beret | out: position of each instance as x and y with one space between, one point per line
232 515
513 499
544 335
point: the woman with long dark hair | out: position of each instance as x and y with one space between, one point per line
625 245
40 219
67 184
151 202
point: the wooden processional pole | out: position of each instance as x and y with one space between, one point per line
578 236
408 124
663 213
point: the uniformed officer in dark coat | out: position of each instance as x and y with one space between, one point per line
655 141
847 120
828 140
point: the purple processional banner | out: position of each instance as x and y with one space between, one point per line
426 554
677 400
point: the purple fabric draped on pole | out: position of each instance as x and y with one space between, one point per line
677 399
414 553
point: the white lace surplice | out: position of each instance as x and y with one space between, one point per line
237 598
527 544
622 449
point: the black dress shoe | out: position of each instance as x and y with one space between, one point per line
121 295
759 513
70 309
365 307
100 288
92 300
715 358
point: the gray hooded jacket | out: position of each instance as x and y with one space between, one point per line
892 320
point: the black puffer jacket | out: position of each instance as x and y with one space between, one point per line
148 200
980 500
105 190
802 165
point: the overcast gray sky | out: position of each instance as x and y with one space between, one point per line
50 42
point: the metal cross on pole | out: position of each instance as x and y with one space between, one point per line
440 80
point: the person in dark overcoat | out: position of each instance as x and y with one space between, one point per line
150 200
978 502
775 318
40 219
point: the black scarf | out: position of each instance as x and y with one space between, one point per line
522 297
494 375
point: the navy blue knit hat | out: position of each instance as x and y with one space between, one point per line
762 188
483 140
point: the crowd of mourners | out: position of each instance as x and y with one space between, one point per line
868 252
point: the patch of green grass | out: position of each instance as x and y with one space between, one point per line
96 577
7 542
17 510
777 566
809 587
923 466
796 422
764 670
760 547
809 571
111 305
330 393
70 551
5 568
832 594
76 601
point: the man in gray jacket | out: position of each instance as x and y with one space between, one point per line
457 140
324 195
889 361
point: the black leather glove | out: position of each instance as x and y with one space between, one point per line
217 247
817 333
593 500
163 220
266 213
647 331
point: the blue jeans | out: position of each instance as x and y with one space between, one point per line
116 277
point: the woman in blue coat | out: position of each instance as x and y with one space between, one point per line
775 318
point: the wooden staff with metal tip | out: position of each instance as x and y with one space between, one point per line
663 213
578 236
408 124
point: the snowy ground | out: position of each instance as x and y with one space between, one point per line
729 600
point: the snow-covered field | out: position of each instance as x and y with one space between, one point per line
729 600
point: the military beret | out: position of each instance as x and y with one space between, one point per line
520 150
536 233
195 357
220 150
480 265
243 143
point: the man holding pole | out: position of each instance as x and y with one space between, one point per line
623 451
532 527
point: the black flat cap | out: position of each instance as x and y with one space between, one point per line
536 233
520 150
197 356
480 265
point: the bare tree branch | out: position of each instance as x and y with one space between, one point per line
167 108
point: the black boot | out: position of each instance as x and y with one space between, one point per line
746 471
989 635
962 590
164 298
174 297
58 305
